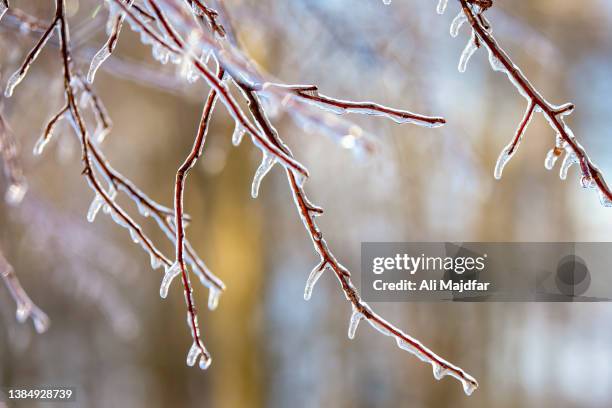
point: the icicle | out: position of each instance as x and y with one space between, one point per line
97 61
442 6
356 317
264 168
3 8
467 53
95 207
170 273
213 298
41 321
438 371
239 132
134 236
40 145
189 72
458 21
502 160
15 192
551 159
604 199
160 53
314 276
23 311
193 354
155 261
196 351
568 161
468 387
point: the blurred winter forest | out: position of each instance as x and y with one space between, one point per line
114 339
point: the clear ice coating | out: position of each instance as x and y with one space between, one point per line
468 51
97 61
314 276
238 134
94 207
264 168
170 273
15 193
356 317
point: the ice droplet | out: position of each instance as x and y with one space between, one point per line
502 160
442 6
95 207
205 362
264 168
97 61
238 134
356 317
213 298
314 276
458 21
170 273
587 182
15 192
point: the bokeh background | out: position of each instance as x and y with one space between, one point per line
114 339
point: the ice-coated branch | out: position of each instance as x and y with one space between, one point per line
308 212
175 36
96 165
25 307
328 261
565 143
310 93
